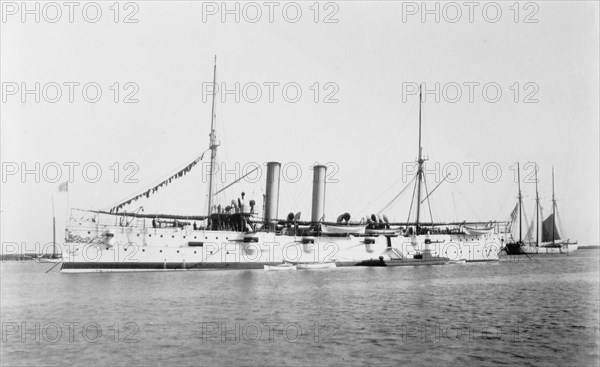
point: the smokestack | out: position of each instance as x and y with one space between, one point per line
272 192
318 199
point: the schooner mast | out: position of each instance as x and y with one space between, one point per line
53 231
520 201
537 210
213 141
553 208
420 161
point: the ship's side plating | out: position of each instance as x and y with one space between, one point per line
96 244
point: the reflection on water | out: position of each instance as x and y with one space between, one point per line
515 311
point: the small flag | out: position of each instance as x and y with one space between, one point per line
63 186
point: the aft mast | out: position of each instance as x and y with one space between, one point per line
53 231
520 202
553 208
420 168
213 141
537 211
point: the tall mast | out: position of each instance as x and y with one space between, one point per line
520 201
213 140
553 207
53 237
420 162
537 211
53 230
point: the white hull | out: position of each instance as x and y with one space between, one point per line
45 260
167 249
312 266
285 267
565 248
127 270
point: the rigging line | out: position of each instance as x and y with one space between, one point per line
469 206
502 207
165 177
339 197
428 202
234 182
411 202
150 144
435 188
383 193
300 195
525 216
393 201
396 197
222 136
374 175
454 204
60 262
558 224
287 197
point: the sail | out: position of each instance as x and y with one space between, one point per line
514 219
529 235
547 227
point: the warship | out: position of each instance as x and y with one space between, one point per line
242 236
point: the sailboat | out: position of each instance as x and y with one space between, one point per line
54 258
551 240
519 247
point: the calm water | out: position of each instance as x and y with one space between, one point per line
516 311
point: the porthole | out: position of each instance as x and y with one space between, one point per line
194 237
149 235
125 249
172 236
138 234
194 251
177 251
161 236
183 236
160 250
89 232
143 250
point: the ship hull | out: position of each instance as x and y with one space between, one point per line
526 249
564 248
348 251
141 248
519 248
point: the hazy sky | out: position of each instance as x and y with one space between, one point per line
356 65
